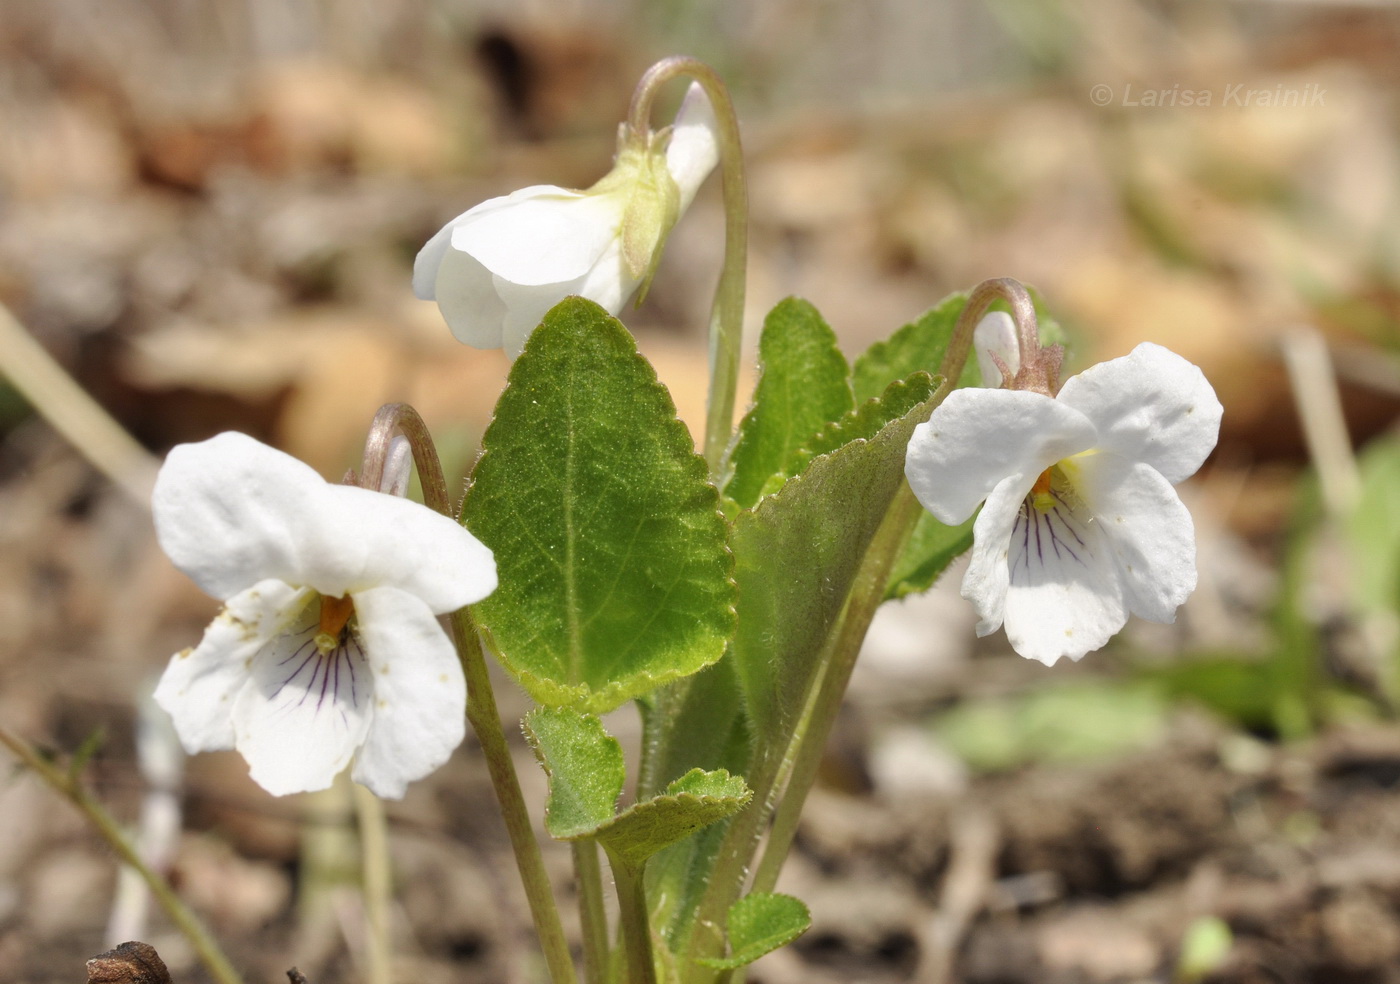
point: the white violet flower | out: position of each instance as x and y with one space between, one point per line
1081 525
496 269
329 647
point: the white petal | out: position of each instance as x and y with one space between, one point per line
547 236
467 297
526 308
1150 406
1146 526
303 713
608 283
199 687
232 511
1066 597
977 437
228 512
988 574
694 148
363 539
420 694
429 259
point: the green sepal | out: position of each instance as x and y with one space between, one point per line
760 923
610 548
803 385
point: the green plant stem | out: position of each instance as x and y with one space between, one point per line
636 924
375 884
481 699
213 958
486 722
727 311
592 917
731 867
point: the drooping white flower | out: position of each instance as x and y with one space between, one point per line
328 648
497 268
1081 525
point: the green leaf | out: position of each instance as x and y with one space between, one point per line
761 923
796 555
614 577
803 384
918 346
586 775
927 554
865 421
921 345
695 800
585 768
693 723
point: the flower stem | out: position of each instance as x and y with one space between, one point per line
486 722
727 311
213 958
375 875
636 926
400 418
592 917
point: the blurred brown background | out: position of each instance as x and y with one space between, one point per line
208 214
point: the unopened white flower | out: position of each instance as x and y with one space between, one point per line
1081 525
497 268
329 646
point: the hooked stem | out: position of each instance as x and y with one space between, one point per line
727 311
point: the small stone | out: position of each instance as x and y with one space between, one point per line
130 963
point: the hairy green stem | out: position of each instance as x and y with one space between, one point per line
213 958
727 311
486 722
636 924
593 919
481 699
375 884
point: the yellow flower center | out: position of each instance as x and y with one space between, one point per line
335 615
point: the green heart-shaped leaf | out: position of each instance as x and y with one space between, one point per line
614 577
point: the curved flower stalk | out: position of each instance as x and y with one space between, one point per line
329 647
497 268
1080 525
